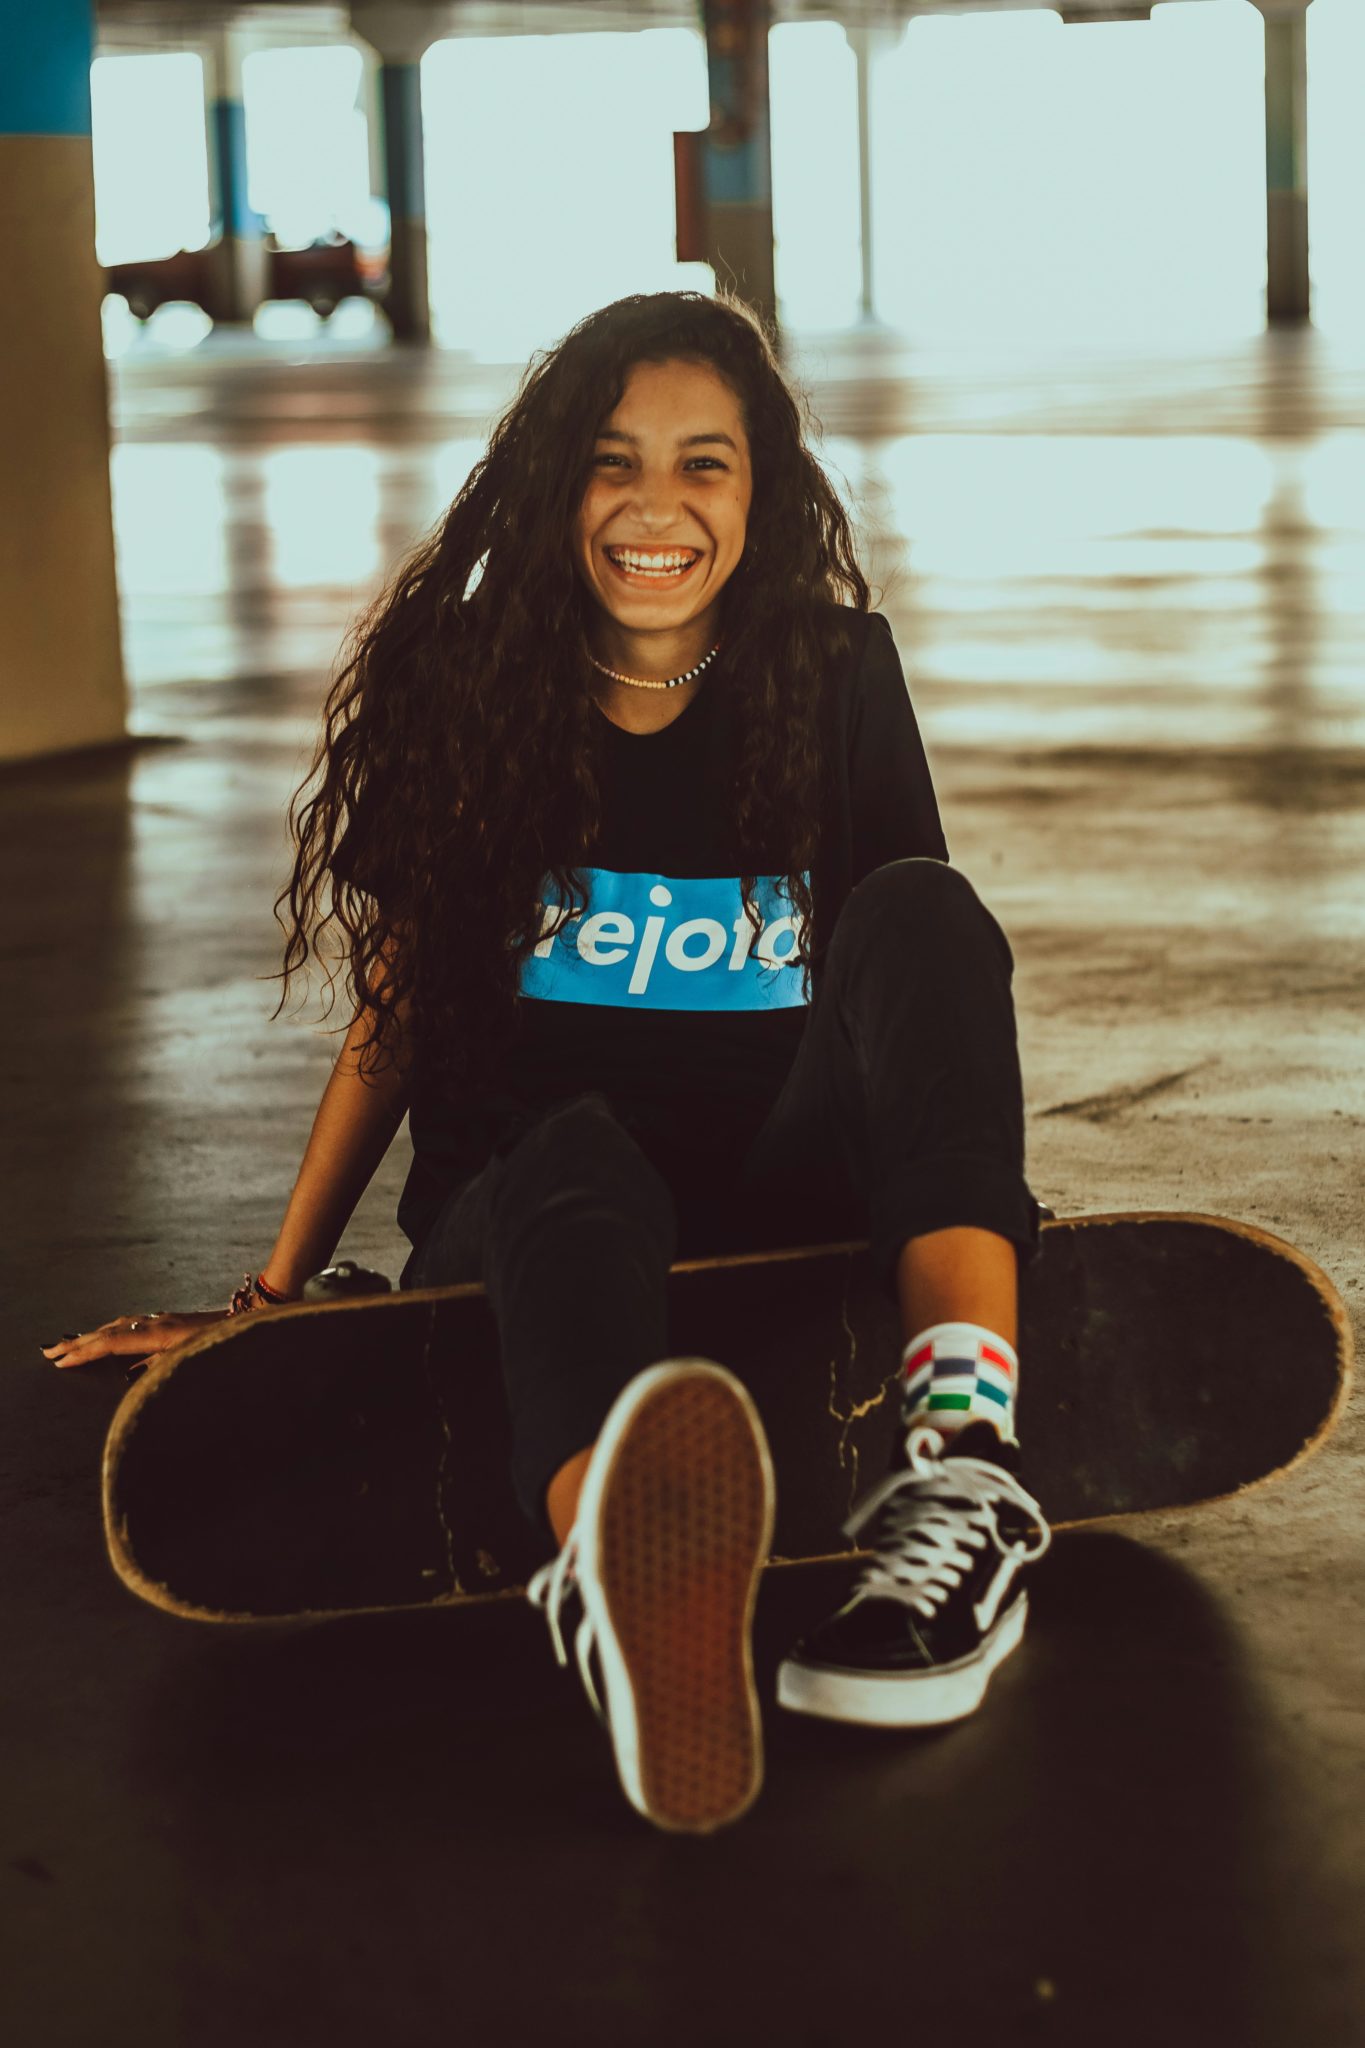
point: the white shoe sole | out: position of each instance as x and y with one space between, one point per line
675 1523
901 1699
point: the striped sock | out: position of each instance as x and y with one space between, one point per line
956 1373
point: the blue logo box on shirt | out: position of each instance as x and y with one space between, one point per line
664 942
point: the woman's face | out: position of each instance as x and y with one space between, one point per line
671 477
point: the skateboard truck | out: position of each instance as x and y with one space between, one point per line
345 1278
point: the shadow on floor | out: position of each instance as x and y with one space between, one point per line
397 1823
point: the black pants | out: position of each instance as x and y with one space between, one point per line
902 1113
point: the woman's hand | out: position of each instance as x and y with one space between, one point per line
131 1336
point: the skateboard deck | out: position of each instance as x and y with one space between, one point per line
343 1456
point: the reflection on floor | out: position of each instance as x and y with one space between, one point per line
1128 593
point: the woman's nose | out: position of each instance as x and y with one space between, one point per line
655 502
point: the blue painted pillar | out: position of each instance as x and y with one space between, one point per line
1286 154
399 36
736 151
238 260
400 105
61 670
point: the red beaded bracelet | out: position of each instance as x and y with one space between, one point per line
242 1303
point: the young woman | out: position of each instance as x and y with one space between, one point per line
651 933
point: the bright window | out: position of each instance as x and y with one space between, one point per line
549 174
150 156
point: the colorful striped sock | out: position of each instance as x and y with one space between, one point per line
956 1373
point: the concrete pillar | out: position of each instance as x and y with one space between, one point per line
859 41
61 669
400 35
370 102
237 251
1286 159
736 151
868 42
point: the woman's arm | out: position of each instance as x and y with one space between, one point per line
355 1125
352 1131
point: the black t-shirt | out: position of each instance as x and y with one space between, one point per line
660 996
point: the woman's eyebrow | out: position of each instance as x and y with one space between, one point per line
684 440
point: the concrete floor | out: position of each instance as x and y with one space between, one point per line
1129 593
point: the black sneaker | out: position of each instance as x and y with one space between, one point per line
658 1578
941 1601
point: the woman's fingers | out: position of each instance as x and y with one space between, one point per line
119 1335
128 1336
108 1340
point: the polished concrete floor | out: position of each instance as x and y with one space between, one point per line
1130 595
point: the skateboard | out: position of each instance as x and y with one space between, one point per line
350 1454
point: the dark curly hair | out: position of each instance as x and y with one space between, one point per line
458 759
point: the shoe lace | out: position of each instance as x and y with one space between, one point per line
546 1589
931 1520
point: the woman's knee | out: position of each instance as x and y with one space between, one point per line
576 1161
917 881
582 1144
583 1128
925 897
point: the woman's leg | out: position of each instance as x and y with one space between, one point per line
959 1275
572 1232
904 1107
907 1092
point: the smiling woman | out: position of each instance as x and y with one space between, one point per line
661 529
465 757
691 975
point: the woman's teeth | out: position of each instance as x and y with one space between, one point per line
663 568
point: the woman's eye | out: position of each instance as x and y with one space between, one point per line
696 458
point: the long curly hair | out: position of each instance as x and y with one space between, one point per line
458 762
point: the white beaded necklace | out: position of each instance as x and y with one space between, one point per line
643 683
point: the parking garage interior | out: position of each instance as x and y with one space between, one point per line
1076 295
